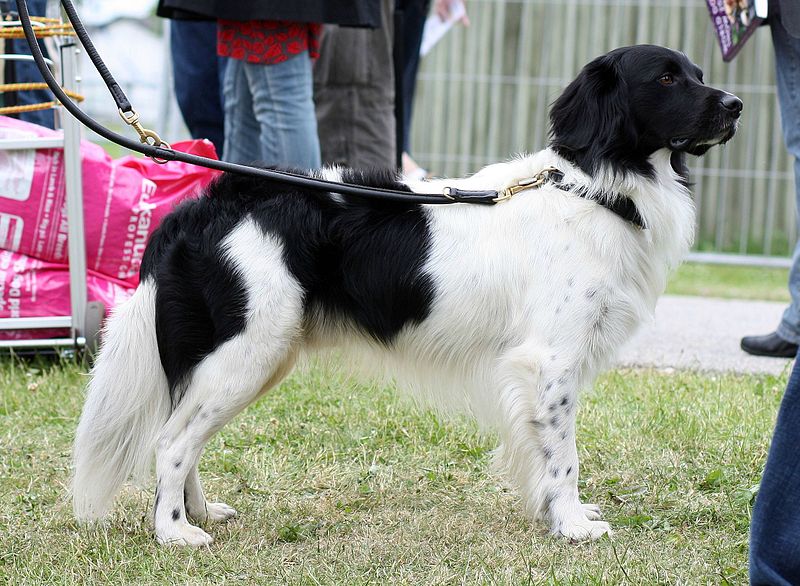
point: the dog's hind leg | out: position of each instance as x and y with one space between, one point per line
226 381
538 400
223 384
198 509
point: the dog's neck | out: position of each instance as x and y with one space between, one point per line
614 168
678 162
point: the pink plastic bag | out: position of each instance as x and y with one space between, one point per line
124 200
30 287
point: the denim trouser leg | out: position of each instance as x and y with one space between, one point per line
269 113
198 74
787 60
26 71
775 526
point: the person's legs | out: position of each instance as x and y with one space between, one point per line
242 131
415 13
783 342
197 78
283 105
775 525
354 95
787 59
27 72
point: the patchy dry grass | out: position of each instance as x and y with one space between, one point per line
340 483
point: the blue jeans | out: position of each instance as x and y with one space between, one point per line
787 61
26 71
269 114
198 75
775 526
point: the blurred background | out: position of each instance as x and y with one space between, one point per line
483 95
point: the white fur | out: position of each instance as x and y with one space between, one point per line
533 298
127 402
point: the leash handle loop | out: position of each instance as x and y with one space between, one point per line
116 91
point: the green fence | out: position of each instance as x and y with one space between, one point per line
484 91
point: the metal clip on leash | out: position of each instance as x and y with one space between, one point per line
529 183
146 136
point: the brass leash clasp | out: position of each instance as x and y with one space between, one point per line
527 183
146 136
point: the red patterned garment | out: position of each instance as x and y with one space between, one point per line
267 41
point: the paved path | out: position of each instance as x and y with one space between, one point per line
703 334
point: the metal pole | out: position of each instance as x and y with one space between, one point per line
74 198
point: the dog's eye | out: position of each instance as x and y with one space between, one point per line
666 79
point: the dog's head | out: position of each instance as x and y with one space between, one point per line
633 101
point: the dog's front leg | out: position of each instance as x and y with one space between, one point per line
539 401
568 517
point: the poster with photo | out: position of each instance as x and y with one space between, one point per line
734 21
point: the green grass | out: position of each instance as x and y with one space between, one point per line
734 282
343 483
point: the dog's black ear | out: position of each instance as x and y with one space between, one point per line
590 123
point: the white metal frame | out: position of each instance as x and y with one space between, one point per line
85 318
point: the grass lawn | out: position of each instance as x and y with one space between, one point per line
342 483
705 280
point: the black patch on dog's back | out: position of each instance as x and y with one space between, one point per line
200 300
359 262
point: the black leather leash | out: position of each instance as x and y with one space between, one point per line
152 146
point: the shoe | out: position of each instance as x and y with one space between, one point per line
769 345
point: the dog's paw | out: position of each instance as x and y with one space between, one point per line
592 512
184 534
219 512
582 529
210 512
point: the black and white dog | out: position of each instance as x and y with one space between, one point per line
504 311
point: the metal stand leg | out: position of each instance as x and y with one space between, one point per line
74 195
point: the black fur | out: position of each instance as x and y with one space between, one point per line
336 247
619 111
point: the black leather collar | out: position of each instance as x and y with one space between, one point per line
618 203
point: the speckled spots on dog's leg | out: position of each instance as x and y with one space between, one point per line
568 516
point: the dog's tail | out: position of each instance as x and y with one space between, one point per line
127 403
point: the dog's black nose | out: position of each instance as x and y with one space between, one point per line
732 104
